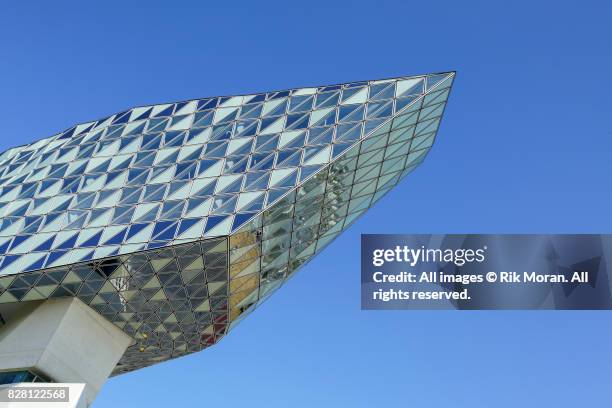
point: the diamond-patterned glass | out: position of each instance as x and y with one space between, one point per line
174 221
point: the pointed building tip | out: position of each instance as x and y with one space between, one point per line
451 72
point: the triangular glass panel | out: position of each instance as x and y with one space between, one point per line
433 80
232 165
322 135
327 120
240 219
172 210
288 158
297 121
92 241
222 132
223 204
379 109
372 124
348 132
143 115
255 204
266 143
338 149
307 171
203 118
246 128
256 181
232 187
165 112
288 181
274 195
186 224
382 91
197 207
251 111
154 192
261 161
214 221
186 171
157 125
208 103
215 149
204 187
122 117
123 215
327 99
350 113
174 138
291 140
164 230
300 103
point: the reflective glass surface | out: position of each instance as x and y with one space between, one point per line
174 221
22 376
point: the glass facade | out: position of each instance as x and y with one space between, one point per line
14 377
174 221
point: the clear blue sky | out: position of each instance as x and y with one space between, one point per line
525 147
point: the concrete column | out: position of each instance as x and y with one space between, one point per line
64 340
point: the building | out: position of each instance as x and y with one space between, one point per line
152 232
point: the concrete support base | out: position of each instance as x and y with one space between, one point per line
63 340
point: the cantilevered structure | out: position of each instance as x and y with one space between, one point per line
164 225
